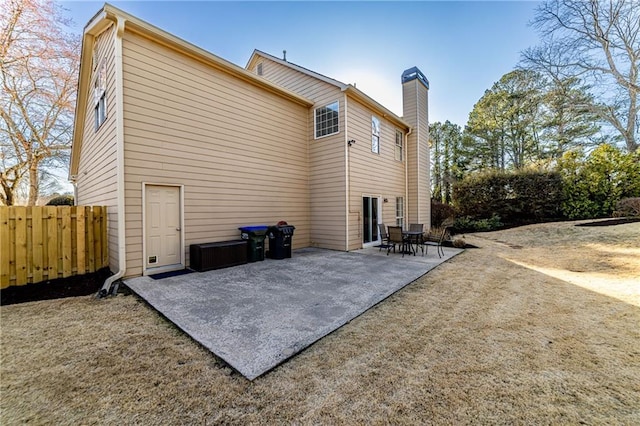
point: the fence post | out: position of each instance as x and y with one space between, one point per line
21 244
52 241
37 244
97 245
5 249
66 242
104 239
80 240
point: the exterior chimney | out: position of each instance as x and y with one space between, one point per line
415 100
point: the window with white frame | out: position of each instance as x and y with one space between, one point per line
326 120
259 68
399 211
100 96
399 145
375 135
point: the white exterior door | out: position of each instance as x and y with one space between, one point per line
162 226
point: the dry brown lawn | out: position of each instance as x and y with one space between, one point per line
541 325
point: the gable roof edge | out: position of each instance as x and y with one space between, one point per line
347 88
110 14
293 66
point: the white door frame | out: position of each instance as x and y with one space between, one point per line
379 210
150 271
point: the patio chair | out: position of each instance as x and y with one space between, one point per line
421 240
396 238
445 234
416 227
384 237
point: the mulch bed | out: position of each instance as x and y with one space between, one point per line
450 244
611 222
78 285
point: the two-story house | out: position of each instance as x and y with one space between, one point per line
185 147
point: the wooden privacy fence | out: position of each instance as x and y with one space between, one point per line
50 242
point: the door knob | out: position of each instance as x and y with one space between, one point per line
178 229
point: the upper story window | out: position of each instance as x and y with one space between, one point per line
259 68
399 145
100 95
326 120
375 135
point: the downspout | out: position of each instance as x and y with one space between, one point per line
108 287
347 206
405 205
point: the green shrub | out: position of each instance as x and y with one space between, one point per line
61 200
593 186
464 224
469 224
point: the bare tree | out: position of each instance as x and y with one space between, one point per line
597 42
10 178
39 59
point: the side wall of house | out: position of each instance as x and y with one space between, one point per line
327 160
96 180
240 151
372 174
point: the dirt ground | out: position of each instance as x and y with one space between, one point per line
540 325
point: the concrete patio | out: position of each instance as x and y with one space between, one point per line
255 316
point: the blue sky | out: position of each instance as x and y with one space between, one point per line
462 47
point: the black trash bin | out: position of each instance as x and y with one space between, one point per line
280 240
255 236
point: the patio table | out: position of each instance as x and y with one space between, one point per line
413 238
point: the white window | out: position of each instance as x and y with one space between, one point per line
399 145
375 135
100 96
399 211
326 119
260 68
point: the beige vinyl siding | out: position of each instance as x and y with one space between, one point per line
96 180
371 174
240 151
327 183
327 189
298 82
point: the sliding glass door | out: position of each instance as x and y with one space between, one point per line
370 220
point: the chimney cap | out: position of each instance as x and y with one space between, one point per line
412 74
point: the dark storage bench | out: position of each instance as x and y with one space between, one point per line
207 256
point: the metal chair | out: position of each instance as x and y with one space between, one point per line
446 232
396 238
384 237
420 240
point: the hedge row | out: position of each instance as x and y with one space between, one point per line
580 187
519 197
